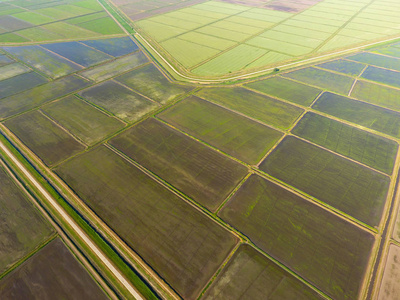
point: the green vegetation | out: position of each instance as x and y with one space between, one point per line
377 60
149 81
22 228
343 66
35 97
12 70
50 64
384 76
83 120
198 171
286 89
119 100
355 190
130 273
304 237
377 94
115 67
56 271
370 116
78 53
105 26
323 79
163 229
47 140
368 148
20 83
34 18
260 107
254 276
232 133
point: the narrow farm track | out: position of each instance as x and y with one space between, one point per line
79 232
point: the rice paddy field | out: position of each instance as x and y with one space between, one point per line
210 39
35 263
283 185
40 21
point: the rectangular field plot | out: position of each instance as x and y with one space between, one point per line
251 275
393 50
20 83
12 70
344 66
378 94
230 61
119 100
254 105
384 76
183 245
322 248
186 53
198 171
104 26
377 60
5 60
323 79
390 288
78 53
32 98
150 82
58 274
83 120
286 89
50 64
113 68
114 46
232 133
370 149
364 114
22 228
355 190
47 140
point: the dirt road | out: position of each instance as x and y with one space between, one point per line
78 231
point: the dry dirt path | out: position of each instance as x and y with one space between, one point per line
79 232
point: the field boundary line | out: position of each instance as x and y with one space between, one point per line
78 253
72 224
260 72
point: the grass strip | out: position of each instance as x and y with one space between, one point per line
132 275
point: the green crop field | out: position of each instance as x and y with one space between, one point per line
377 94
370 149
22 228
323 79
173 237
343 66
20 83
47 140
46 62
209 176
236 135
338 182
58 274
84 121
119 100
12 70
115 67
321 247
370 116
254 105
287 90
279 185
32 98
51 20
253 276
213 38
150 82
